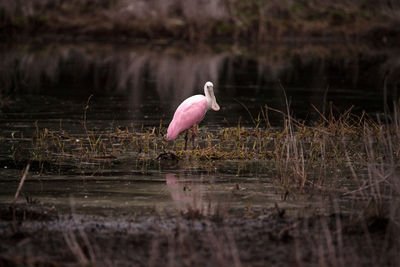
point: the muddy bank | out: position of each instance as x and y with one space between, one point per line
238 21
256 238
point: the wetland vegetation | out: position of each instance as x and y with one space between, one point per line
233 20
348 163
300 166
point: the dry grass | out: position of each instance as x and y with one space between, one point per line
303 155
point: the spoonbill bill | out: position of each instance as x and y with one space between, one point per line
191 111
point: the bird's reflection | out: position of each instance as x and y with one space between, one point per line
187 196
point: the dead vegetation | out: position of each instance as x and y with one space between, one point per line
302 154
335 239
304 158
236 20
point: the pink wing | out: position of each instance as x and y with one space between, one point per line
190 112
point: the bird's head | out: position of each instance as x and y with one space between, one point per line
209 91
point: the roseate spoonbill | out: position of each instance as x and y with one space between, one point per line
192 111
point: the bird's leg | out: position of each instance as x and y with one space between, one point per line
194 133
186 139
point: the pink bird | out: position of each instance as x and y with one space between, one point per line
192 111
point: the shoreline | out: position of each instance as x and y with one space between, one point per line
253 22
380 37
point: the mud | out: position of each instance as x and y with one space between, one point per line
39 235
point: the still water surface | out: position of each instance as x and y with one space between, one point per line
142 85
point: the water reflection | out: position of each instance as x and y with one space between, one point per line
186 196
160 77
193 191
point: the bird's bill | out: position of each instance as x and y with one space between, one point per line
214 104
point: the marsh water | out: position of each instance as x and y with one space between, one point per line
55 85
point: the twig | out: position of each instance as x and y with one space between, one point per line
322 115
72 242
21 183
85 115
248 111
287 109
284 114
286 229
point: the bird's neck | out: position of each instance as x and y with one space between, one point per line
208 98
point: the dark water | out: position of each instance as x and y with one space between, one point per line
142 85
222 187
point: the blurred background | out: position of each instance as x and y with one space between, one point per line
139 59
